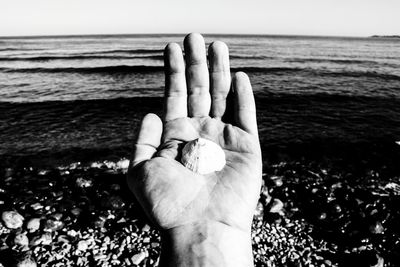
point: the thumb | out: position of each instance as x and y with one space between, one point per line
148 139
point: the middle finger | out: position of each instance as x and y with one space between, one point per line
197 78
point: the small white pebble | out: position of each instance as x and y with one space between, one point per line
12 219
21 240
82 245
138 258
123 164
72 233
33 225
27 263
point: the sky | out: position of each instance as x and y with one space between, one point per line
293 17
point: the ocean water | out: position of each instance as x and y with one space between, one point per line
83 96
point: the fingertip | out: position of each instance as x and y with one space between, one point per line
150 130
241 78
193 37
171 48
242 86
152 121
173 58
195 49
217 47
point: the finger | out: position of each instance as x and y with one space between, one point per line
175 84
245 108
197 80
148 139
220 77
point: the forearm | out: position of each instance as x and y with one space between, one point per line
206 244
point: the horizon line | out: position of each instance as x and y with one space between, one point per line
180 34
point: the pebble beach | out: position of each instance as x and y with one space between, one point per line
307 215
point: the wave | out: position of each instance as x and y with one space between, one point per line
128 51
263 70
309 71
78 57
323 60
102 69
342 61
235 56
91 128
19 49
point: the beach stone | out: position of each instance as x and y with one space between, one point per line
21 240
54 225
12 219
376 228
138 258
27 263
44 239
109 164
83 245
146 228
123 164
36 206
276 206
259 212
84 182
96 165
276 180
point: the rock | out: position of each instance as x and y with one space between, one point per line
123 164
109 164
96 165
84 182
28 262
36 206
276 180
83 245
33 225
203 156
376 228
259 212
21 240
12 219
146 228
54 225
74 165
44 239
72 233
138 258
276 206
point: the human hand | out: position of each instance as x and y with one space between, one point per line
205 219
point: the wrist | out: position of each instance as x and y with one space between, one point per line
206 243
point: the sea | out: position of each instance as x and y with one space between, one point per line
81 98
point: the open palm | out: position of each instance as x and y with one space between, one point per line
195 103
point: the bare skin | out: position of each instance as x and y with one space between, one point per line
205 220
